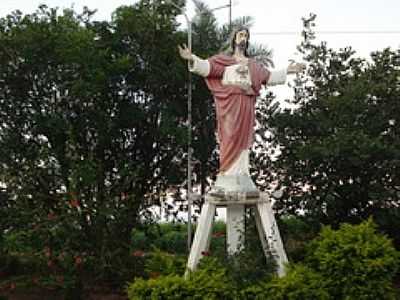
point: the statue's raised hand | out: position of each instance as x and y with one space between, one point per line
184 52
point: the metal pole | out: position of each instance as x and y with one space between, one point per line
189 162
230 14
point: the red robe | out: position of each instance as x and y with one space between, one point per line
235 108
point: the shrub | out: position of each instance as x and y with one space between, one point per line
297 232
212 281
172 237
250 266
300 283
165 287
169 237
388 221
355 261
209 282
163 263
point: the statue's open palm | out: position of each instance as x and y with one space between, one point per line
184 52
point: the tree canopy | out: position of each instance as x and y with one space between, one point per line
339 147
92 126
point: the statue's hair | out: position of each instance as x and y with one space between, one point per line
232 38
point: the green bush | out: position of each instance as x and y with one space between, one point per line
218 239
212 280
300 283
169 237
355 261
165 287
172 237
209 282
388 221
297 233
250 266
163 263
352 263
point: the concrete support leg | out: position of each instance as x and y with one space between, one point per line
265 217
235 227
202 237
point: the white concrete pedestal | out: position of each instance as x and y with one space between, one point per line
265 221
235 227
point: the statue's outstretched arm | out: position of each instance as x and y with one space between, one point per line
196 64
279 76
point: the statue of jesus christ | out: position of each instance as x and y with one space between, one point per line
235 81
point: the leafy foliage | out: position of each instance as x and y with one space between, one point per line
163 263
297 232
90 113
355 261
249 266
338 143
168 237
209 282
299 283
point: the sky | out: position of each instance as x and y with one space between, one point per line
279 16
277 24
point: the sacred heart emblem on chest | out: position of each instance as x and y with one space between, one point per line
243 71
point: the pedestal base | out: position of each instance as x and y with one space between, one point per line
227 186
265 221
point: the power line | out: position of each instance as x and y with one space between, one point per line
327 32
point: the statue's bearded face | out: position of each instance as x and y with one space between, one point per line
241 39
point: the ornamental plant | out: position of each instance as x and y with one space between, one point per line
355 261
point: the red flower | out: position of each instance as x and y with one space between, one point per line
78 260
12 286
74 203
138 253
47 252
219 234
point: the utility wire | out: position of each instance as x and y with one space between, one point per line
327 32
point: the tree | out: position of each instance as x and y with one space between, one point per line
206 42
91 130
339 147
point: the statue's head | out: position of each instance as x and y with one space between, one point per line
240 38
